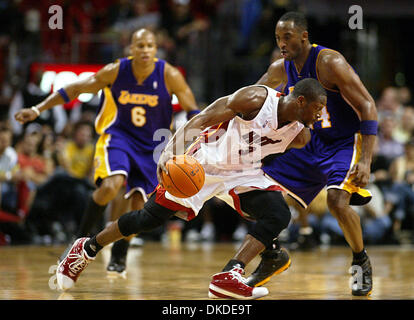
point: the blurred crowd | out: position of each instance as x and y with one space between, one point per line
46 167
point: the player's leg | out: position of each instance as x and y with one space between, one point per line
349 221
111 167
117 261
272 215
142 180
96 206
119 250
84 250
98 202
305 239
340 193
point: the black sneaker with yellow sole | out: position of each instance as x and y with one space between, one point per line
274 261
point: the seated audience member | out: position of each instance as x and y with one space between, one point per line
13 192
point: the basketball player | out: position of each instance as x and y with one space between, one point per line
340 151
234 133
135 103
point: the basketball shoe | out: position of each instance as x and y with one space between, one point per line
231 285
274 261
365 288
72 265
117 266
117 263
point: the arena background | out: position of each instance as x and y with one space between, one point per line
220 46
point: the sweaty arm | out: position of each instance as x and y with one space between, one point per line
104 77
177 85
335 73
246 102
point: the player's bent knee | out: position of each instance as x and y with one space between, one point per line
269 227
337 201
138 221
270 211
150 217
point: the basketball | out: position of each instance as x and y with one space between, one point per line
184 176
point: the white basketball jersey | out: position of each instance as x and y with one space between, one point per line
240 145
231 155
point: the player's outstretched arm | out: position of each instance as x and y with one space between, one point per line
92 84
177 85
245 102
275 75
335 72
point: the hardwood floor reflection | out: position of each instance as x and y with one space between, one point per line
158 272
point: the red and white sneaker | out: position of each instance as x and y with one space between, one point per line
72 265
231 285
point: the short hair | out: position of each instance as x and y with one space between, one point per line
310 88
297 17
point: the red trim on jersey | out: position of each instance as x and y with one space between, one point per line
236 201
236 198
169 204
215 132
194 148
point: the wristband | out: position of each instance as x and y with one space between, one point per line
64 95
36 109
369 127
192 113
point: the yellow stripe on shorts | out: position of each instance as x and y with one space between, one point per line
107 114
102 169
347 183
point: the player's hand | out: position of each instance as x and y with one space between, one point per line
360 173
25 115
165 156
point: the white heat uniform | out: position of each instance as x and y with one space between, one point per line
231 155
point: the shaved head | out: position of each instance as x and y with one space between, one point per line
142 33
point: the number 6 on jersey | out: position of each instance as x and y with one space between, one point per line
138 116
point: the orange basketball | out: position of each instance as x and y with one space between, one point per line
184 177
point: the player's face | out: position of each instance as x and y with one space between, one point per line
144 48
312 111
290 39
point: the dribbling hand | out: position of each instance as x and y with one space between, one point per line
165 156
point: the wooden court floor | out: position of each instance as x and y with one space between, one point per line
162 272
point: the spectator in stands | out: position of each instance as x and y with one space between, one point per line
388 103
402 175
180 24
34 166
405 127
60 202
78 152
142 17
29 96
13 191
388 146
404 96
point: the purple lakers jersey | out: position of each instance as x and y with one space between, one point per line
338 119
134 112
